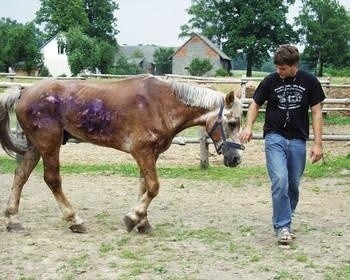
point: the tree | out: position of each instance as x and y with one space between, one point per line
105 55
325 31
81 50
102 23
198 67
60 15
90 21
94 18
252 28
162 60
123 67
19 44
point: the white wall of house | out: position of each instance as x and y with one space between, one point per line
55 58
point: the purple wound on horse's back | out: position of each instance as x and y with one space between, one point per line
95 118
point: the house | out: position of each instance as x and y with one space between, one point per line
55 57
200 47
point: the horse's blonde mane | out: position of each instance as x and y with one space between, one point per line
196 96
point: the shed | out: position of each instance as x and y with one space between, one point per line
199 46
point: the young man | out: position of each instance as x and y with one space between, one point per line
289 93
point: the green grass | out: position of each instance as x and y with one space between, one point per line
341 273
332 167
336 119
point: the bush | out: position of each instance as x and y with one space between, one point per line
198 67
222 73
44 72
339 72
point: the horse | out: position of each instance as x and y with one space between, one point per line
139 115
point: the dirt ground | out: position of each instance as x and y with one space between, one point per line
202 229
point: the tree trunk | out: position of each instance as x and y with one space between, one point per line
249 63
320 69
319 66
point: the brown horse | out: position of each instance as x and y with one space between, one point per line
139 116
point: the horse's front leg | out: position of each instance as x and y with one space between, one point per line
22 173
143 226
149 188
53 180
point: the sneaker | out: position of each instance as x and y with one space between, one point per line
284 237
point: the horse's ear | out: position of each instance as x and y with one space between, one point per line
230 98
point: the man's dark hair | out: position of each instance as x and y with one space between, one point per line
286 55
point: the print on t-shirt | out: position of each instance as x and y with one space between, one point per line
289 96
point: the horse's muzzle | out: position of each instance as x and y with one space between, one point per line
232 154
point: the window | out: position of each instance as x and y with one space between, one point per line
60 49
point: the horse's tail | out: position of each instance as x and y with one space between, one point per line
7 105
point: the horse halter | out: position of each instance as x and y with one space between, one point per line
225 143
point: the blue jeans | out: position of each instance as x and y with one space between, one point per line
285 161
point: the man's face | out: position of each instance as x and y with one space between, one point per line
285 71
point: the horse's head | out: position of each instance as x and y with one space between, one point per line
223 128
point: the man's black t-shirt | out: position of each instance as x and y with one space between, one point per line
288 102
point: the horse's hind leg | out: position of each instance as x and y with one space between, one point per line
53 180
22 173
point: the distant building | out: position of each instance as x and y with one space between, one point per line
141 55
200 47
20 70
55 57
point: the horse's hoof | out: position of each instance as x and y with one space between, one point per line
144 227
14 227
129 223
80 228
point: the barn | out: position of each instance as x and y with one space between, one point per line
198 46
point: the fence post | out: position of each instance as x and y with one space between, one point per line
243 86
204 149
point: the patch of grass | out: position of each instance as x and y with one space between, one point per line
233 247
105 248
286 275
160 269
135 269
255 258
75 265
341 273
246 230
128 254
301 258
336 119
332 167
305 228
26 278
123 241
7 165
207 235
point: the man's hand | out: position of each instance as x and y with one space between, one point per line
316 153
245 135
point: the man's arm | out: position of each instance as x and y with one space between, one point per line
316 152
247 133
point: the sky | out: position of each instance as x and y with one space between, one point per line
139 21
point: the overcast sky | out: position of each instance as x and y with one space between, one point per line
139 21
